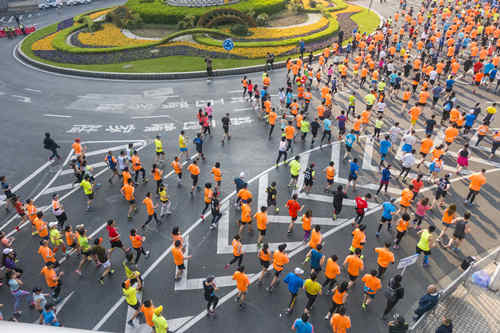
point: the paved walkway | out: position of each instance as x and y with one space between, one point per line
471 309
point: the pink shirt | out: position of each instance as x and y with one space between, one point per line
421 209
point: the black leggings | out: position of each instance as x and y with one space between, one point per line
405 171
238 259
212 302
310 300
293 298
390 305
139 251
150 218
137 174
330 283
334 308
382 185
400 235
281 153
472 195
359 217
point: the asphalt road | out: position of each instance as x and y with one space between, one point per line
108 115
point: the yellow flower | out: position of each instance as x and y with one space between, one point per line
272 33
96 15
109 35
44 44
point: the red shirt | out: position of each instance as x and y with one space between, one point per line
361 205
477 66
19 208
112 233
293 207
417 185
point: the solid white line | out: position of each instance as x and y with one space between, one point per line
367 156
30 177
315 220
56 115
262 195
150 117
59 188
33 90
235 91
336 158
243 109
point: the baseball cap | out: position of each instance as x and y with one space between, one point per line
298 271
242 174
7 251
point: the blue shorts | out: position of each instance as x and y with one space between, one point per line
406 148
183 149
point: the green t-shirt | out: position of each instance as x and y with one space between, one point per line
370 99
312 287
55 236
294 168
84 243
160 324
305 126
352 99
379 123
87 186
130 295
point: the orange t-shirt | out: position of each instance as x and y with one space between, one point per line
50 276
415 112
372 283
77 148
149 205
208 194
330 172
476 181
426 145
128 192
261 219
178 256
402 225
242 281
385 257
289 132
447 217
136 241
280 259
217 174
315 239
306 223
47 254
177 167
339 323
358 238
332 269
148 314
354 264
365 116
126 176
450 134
194 169
246 213
272 118
157 174
406 197
41 227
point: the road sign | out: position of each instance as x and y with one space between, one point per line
228 44
408 261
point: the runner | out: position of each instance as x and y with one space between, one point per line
195 173
226 122
127 191
246 216
332 270
338 299
53 280
312 289
272 193
209 292
282 151
265 261
294 171
316 258
295 283
88 189
150 210
83 244
261 218
242 283
426 243
237 252
306 225
302 325
461 229
130 294
177 166
198 142
372 285
354 265
449 218
137 242
309 176
159 153
361 207
217 177
165 202
477 180
353 174
137 167
293 210
330 175
280 259
207 197
179 258
157 177
384 258
102 257
182 146
389 210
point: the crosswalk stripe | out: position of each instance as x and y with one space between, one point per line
329 199
10 19
304 161
336 156
2 19
30 15
367 156
262 196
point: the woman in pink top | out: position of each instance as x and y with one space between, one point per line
422 208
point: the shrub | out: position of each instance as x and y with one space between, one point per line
312 3
165 14
262 19
231 15
122 17
240 29
296 6
187 23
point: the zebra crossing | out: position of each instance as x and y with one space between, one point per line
12 18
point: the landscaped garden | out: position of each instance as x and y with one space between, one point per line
151 36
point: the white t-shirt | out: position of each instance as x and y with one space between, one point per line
408 160
283 145
122 163
409 139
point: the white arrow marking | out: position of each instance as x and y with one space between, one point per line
2 19
367 156
95 165
23 99
105 150
33 90
10 19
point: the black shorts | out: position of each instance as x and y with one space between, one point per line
317 269
384 219
137 305
459 237
352 277
262 232
329 181
405 102
440 194
181 267
308 182
277 273
419 250
87 253
348 148
244 223
448 89
352 177
90 196
341 131
423 154
116 243
226 129
195 179
131 201
294 218
271 202
295 177
264 263
159 153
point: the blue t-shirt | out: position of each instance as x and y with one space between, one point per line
493 73
450 83
341 119
488 67
436 91
327 124
469 119
302 327
388 209
315 258
294 282
386 175
49 318
353 168
349 139
384 146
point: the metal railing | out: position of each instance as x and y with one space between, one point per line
462 279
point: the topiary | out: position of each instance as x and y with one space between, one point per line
208 19
240 29
262 19
296 6
312 3
122 17
188 22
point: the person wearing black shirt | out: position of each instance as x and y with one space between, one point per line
314 130
226 121
398 325
429 125
50 144
209 289
216 214
393 293
446 326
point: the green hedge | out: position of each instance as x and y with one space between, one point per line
332 28
59 42
339 5
158 12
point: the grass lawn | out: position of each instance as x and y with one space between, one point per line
366 20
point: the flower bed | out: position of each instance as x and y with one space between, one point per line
98 14
44 44
109 35
283 33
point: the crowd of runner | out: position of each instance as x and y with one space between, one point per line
412 62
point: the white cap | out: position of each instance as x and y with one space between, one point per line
298 271
52 224
7 251
242 174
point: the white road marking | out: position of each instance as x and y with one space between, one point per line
60 188
336 158
95 165
56 115
329 199
315 220
10 19
33 90
22 99
2 19
242 109
151 117
304 161
262 195
367 156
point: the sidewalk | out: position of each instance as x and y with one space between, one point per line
471 309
